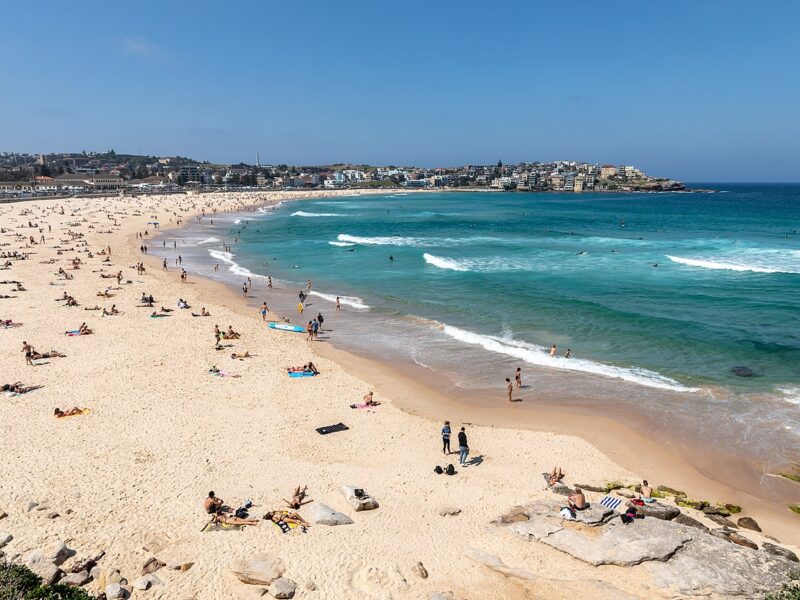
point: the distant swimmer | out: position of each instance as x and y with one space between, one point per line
655 265
391 258
568 353
613 252
553 351
582 252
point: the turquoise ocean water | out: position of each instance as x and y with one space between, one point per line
658 296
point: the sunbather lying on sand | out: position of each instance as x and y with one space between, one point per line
18 388
229 519
298 498
203 313
310 368
276 516
58 413
8 323
240 355
95 307
555 476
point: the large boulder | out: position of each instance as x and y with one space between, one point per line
779 551
665 512
49 572
748 523
5 538
322 514
76 579
259 569
711 567
55 554
358 498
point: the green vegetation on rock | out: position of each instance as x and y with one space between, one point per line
18 582
790 590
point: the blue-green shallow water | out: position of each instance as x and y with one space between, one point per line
482 282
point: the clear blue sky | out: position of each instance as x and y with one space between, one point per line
699 90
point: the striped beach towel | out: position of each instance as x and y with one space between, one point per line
611 502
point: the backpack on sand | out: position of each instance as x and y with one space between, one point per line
438 470
450 469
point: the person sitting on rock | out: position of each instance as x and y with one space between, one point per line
577 501
646 492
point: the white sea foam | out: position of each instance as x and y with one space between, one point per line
352 301
341 244
209 240
233 266
396 240
379 240
537 355
791 394
762 266
301 213
444 263
237 221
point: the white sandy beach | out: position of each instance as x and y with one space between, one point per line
162 432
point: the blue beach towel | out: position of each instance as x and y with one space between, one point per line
301 374
610 502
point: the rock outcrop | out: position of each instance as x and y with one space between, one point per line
259 569
322 514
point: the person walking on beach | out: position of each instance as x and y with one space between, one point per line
338 304
244 289
446 438
509 389
463 448
165 264
269 281
518 378
315 327
264 310
553 351
310 331
320 320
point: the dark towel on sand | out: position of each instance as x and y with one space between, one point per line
332 428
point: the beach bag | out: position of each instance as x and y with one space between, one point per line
567 513
450 469
242 513
438 470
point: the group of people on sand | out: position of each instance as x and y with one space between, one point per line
31 354
225 515
463 443
307 368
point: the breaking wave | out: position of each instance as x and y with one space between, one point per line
352 301
537 355
444 263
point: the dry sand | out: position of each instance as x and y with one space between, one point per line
163 432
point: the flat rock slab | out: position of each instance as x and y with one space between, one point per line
322 514
593 516
259 569
710 566
619 544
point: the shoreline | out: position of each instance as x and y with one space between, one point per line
634 450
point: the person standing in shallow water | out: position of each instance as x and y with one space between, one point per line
518 377
509 388
553 351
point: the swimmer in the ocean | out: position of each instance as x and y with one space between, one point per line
391 258
655 265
